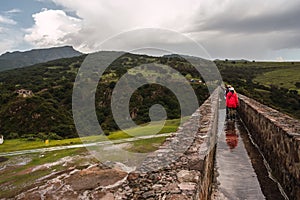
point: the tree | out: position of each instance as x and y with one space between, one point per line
188 76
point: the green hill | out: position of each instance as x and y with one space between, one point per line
48 111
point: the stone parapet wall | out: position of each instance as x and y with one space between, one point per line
188 175
278 137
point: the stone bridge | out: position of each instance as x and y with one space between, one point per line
219 161
193 175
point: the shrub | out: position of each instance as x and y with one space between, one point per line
29 137
54 136
12 135
42 136
106 132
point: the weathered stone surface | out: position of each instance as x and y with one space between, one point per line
188 176
98 194
187 186
108 196
157 186
149 194
32 196
94 177
177 197
78 184
133 176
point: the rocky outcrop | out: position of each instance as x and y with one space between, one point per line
78 184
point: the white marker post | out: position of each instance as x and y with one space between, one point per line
1 139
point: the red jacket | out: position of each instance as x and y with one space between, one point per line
232 100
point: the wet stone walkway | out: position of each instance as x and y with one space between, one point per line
238 175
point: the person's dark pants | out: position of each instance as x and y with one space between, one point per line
232 113
227 112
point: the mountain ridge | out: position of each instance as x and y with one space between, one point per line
18 59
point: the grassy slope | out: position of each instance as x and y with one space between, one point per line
147 145
281 77
170 126
19 144
263 64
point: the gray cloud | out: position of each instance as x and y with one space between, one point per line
255 30
279 19
226 29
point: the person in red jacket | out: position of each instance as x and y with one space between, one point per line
225 94
232 102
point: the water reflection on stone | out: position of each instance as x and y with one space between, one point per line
231 135
235 176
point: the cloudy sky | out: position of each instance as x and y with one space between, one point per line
234 29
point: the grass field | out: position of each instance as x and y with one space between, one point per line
147 145
285 78
20 144
263 64
169 126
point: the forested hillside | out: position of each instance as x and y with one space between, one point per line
47 111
